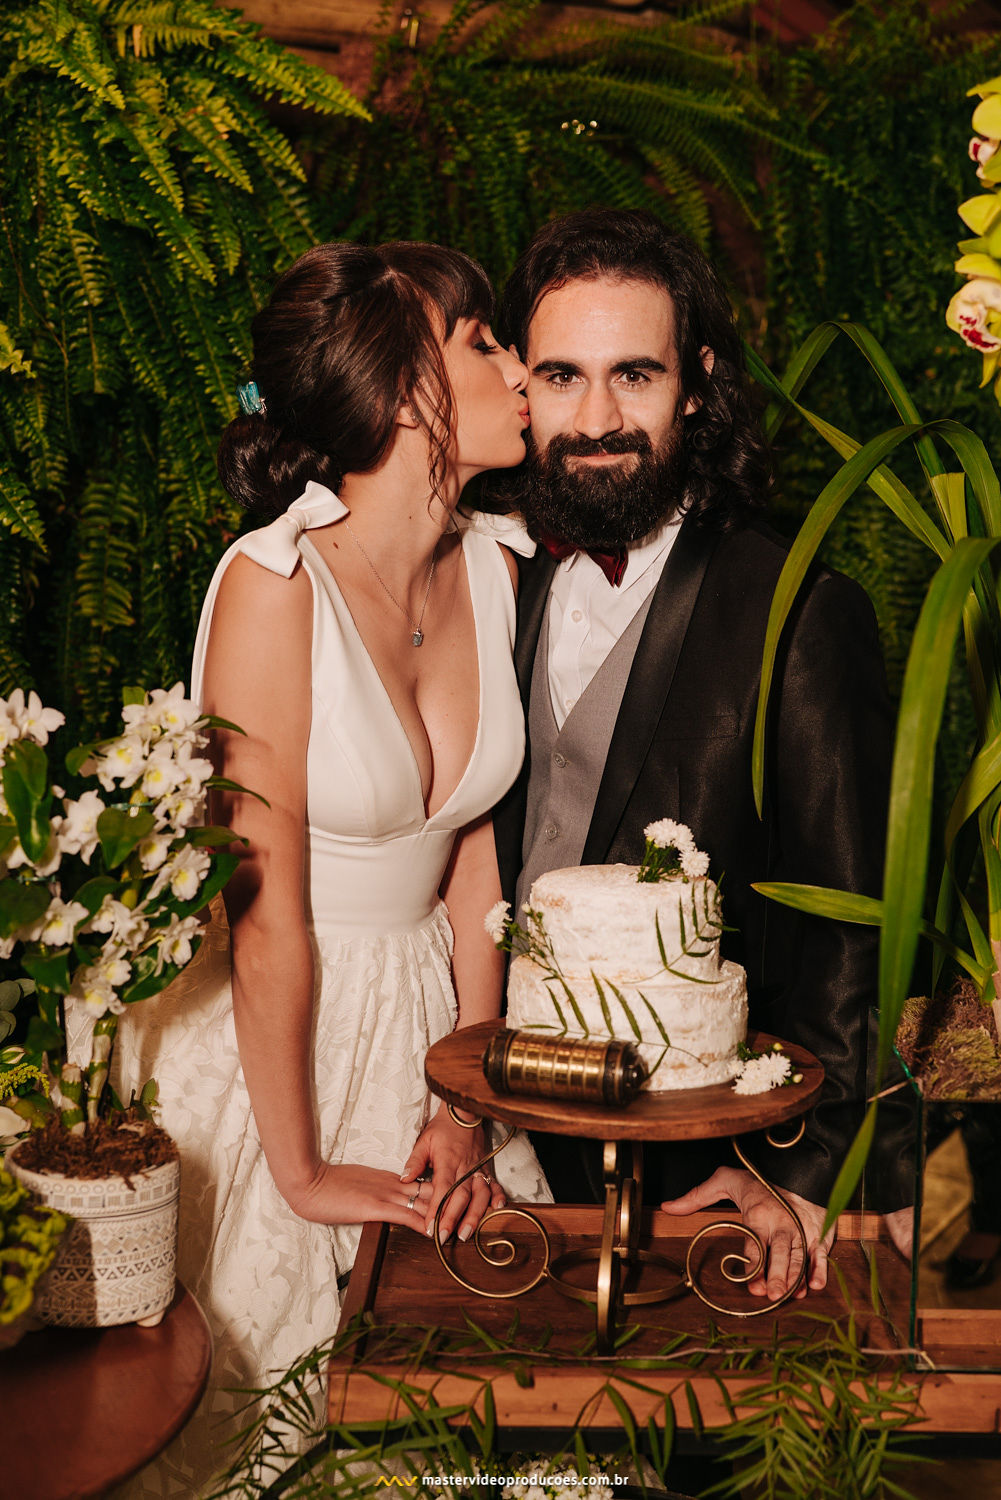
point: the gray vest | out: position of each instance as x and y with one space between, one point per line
567 763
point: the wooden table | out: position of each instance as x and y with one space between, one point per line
397 1280
83 1408
454 1070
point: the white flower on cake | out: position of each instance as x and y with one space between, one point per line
670 851
759 1074
694 863
667 834
496 920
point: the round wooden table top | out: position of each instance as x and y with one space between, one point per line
83 1408
454 1071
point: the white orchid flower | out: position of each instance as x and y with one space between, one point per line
175 944
112 966
162 774
127 926
124 761
170 711
179 811
975 314
95 993
77 830
33 722
153 851
184 873
57 925
48 864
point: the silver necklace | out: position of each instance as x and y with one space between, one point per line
417 634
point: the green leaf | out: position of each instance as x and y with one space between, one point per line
133 695
802 553
78 755
211 836
32 765
909 826
49 968
120 830
606 1014
21 905
851 1169
92 893
146 981
224 784
43 1036
848 906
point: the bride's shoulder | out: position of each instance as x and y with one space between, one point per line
504 535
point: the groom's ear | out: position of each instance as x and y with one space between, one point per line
708 359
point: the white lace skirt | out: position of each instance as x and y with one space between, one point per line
266 1279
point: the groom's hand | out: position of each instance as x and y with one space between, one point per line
760 1212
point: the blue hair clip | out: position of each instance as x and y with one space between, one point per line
250 399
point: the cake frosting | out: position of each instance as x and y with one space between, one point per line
635 956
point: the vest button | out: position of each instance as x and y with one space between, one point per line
552 831
559 760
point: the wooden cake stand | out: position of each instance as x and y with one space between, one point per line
454 1071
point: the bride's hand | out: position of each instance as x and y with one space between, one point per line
360 1195
445 1150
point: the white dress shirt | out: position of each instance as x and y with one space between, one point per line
586 614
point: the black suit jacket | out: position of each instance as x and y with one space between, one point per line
681 748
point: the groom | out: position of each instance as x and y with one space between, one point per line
641 629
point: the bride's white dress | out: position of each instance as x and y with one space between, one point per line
266 1279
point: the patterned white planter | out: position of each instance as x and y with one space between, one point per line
116 1264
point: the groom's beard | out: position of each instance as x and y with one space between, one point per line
601 506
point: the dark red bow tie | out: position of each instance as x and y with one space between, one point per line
612 563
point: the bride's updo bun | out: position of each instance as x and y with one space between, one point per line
351 334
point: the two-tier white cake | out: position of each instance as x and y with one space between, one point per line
594 933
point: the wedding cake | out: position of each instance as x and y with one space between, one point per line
633 952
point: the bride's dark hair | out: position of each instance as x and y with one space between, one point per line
351 334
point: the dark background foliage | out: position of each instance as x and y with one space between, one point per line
147 201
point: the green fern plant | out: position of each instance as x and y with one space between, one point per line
146 201
496 125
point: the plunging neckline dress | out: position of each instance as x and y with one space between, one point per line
266 1279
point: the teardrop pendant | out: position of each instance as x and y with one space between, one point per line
417 637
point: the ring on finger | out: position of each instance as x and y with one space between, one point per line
411 1200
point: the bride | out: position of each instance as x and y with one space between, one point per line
362 641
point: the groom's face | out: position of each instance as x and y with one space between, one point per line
605 460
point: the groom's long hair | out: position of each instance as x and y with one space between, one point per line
727 471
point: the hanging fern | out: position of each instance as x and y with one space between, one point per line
493 127
146 202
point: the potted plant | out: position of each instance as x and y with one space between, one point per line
959 887
100 896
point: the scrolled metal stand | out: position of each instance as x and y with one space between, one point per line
619 1252
749 1271
497 1252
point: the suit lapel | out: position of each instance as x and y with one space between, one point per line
536 575
649 683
